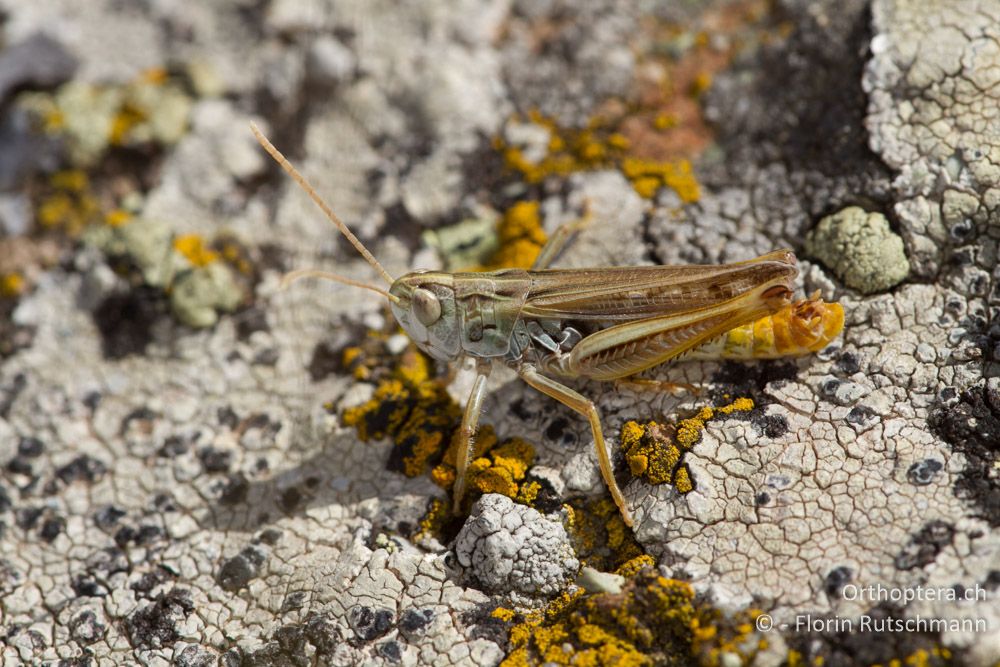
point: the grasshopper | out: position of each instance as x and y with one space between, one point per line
597 324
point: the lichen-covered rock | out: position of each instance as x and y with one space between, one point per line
166 490
507 547
860 249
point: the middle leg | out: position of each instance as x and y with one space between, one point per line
585 407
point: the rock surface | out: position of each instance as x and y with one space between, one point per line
172 495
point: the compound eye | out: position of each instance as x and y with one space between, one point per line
426 306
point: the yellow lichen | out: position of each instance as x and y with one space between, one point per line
689 430
129 117
68 204
599 535
117 217
682 480
436 518
192 247
633 566
648 623
410 406
598 146
493 469
503 614
655 452
11 284
520 236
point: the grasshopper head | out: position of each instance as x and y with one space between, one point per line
424 306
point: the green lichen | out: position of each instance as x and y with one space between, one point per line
860 249
198 296
467 243
93 118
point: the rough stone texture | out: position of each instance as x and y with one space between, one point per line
168 497
510 548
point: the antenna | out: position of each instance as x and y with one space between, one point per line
292 276
304 184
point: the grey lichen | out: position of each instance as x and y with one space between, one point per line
507 547
860 249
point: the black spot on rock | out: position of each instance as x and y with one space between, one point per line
836 579
847 364
5 501
10 392
323 632
325 361
369 623
83 468
390 651
149 580
239 570
85 585
233 658
769 426
30 447
215 460
20 466
164 502
520 410
752 380
27 517
762 498
924 547
140 536
922 473
546 500
483 625
249 321
556 428
269 536
195 656
235 490
155 625
859 414
413 622
92 399
85 628
227 417
992 580
293 601
290 499
51 528
125 321
972 426
173 446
